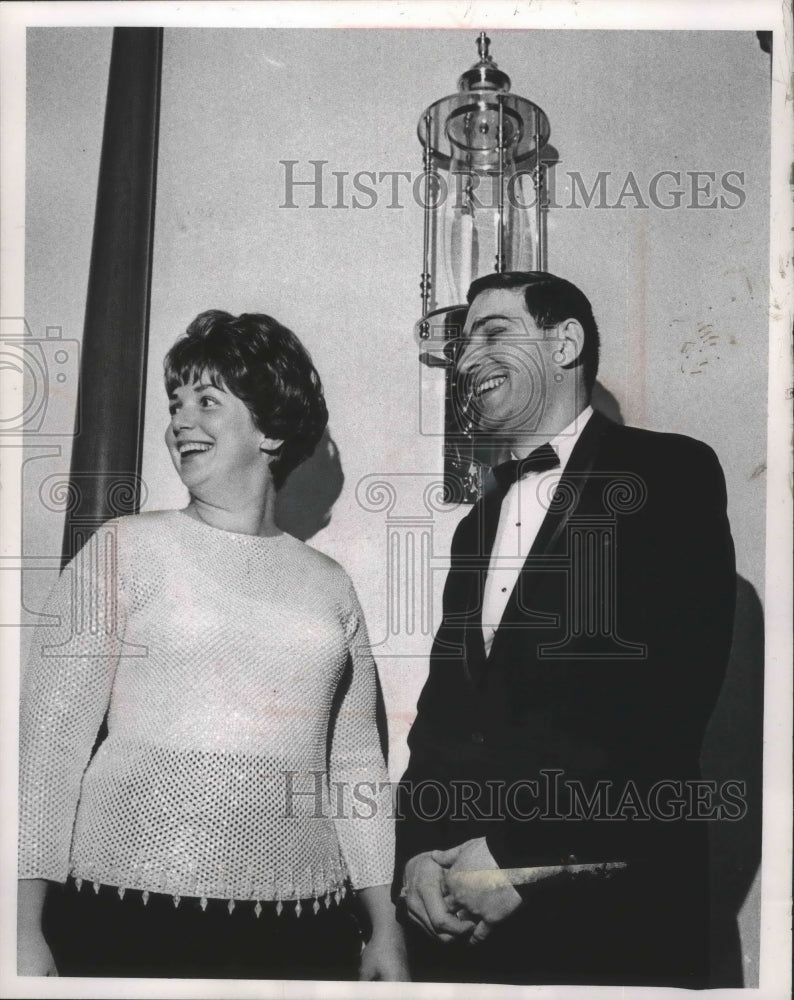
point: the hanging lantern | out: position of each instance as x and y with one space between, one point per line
483 212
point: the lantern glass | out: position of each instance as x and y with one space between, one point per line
483 213
479 188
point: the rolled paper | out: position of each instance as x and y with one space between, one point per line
487 879
599 869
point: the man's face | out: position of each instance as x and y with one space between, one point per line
505 364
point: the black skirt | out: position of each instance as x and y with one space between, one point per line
100 934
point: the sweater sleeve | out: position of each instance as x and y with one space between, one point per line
359 784
65 692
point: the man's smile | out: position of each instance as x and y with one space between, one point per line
489 384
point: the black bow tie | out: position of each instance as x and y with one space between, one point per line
540 460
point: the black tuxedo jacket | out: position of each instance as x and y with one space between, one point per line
578 737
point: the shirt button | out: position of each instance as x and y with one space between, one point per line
477 737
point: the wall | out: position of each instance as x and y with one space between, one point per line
680 294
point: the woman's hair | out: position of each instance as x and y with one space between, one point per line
265 365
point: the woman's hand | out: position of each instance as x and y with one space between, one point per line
34 957
384 958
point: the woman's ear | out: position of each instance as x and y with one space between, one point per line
270 446
570 335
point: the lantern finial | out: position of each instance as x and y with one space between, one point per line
484 74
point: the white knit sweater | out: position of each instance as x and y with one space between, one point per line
238 681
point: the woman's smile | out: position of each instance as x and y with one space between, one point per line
190 449
212 437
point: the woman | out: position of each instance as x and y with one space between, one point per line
233 663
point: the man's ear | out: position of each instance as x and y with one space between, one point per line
270 446
570 335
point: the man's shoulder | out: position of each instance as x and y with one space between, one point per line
673 468
659 457
646 447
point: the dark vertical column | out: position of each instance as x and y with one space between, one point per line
106 458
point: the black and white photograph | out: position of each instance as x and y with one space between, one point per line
396 498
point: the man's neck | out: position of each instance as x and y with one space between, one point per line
526 443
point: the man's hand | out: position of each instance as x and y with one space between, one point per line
473 884
424 898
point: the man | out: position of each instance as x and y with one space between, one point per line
553 824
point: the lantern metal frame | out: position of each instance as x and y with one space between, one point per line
509 130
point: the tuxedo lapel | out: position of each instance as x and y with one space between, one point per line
567 497
569 489
479 555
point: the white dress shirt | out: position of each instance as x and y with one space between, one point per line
523 510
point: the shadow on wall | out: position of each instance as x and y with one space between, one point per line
303 507
732 751
603 401
305 501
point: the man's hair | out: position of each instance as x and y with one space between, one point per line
265 365
550 300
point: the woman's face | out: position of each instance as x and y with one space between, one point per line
212 438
